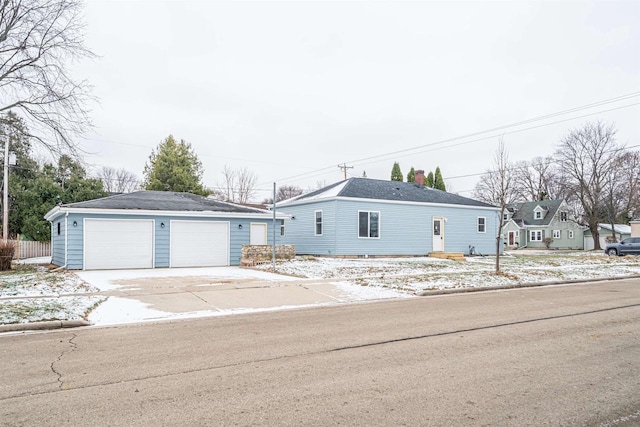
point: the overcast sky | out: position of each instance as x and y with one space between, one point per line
290 90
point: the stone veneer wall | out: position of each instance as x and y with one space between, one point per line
265 252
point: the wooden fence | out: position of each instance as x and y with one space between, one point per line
27 249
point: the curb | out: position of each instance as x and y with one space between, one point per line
41 326
519 285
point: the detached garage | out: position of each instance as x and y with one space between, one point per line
154 229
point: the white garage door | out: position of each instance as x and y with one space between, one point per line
118 243
199 243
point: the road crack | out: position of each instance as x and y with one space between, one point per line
73 347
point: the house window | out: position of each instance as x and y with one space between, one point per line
505 217
282 228
482 224
368 224
571 234
563 216
538 215
318 223
535 235
556 234
58 228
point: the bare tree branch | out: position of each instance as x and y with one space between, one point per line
38 39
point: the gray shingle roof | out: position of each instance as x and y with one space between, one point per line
367 188
163 201
525 212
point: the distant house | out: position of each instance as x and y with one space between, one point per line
151 229
635 228
622 231
528 224
369 217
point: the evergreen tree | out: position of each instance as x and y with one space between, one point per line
35 189
411 176
396 173
173 166
428 182
438 181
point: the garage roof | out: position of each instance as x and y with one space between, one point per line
155 201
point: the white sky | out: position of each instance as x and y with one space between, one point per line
289 88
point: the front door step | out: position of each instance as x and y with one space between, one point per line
455 256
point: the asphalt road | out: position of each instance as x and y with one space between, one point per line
563 355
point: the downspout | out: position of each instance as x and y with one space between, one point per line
66 229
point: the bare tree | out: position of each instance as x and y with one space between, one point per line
229 183
496 186
587 158
238 186
534 180
118 180
246 185
38 39
284 192
622 189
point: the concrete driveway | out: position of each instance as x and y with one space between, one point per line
143 295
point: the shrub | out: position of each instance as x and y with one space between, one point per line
547 242
7 249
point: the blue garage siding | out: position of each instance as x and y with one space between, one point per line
57 241
300 230
238 236
405 229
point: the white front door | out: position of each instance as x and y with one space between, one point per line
258 235
438 234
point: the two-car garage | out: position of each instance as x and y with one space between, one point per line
155 229
129 243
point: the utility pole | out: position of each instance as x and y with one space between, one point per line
344 168
5 196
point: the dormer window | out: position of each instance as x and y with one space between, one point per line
538 215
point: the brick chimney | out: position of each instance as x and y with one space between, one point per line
419 177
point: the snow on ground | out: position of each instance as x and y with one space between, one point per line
42 309
423 273
31 294
106 280
38 282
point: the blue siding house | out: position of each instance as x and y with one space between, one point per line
151 229
369 217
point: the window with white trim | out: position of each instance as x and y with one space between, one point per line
556 234
318 223
563 216
282 228
538 215
368 224
535 235
571 234
482 224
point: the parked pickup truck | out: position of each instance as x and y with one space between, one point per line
630 245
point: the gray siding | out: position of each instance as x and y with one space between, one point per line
405 229
238 236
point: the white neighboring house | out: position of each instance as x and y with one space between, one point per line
606 236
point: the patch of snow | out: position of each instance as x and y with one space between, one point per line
42 309
117 310
40 260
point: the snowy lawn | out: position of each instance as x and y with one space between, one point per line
32 294
419 274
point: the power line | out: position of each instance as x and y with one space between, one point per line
547 116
